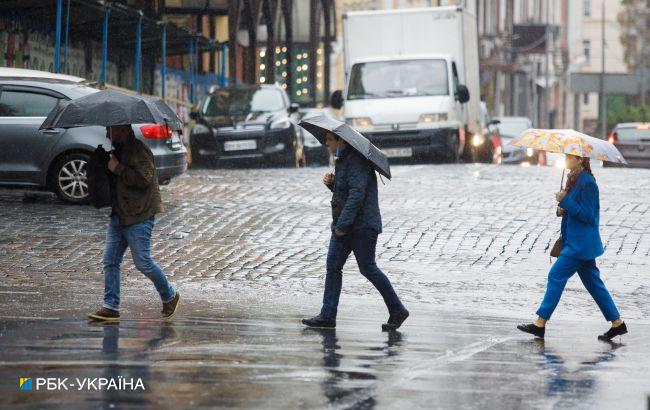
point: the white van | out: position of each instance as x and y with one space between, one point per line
412 80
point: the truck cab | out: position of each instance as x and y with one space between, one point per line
411 80
409 106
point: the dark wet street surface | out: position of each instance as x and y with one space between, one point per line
465 246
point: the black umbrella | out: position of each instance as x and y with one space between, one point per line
320 125
111 107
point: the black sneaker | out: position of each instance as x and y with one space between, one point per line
105 315
170 307
319 321
395 321
533 330
613 332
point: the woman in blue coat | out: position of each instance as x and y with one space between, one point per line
581 245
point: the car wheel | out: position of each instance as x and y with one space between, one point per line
69 178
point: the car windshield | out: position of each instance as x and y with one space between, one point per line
634 134
511 128
401 78
242 101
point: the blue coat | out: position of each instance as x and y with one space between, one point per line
355 187
580 236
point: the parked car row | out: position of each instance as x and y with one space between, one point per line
57 159
243 123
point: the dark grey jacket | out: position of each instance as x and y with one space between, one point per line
355 194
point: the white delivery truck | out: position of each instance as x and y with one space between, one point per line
412 80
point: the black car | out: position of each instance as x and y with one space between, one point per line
246 123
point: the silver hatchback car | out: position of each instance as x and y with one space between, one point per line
633 141
56 158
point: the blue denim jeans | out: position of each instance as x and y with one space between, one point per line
563 268
138 238
362 243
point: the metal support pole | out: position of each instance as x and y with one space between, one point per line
224 51
545 121
164 59
191 58
642 54
105 45
65 45
57 47
138 54
601 94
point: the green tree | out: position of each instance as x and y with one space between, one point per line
634 19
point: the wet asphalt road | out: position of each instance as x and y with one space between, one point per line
466 247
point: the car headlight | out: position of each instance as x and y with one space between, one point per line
200 129
478 140
433 117
280 124
359 122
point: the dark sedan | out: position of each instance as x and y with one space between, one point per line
250 124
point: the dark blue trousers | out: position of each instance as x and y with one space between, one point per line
363 244
563 268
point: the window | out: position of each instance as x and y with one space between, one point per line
586 8
242 101
398 78
586 49
25 104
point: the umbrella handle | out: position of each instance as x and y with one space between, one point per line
562 181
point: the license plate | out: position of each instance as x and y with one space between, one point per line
398 152
239 145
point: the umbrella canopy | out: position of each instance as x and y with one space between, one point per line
320 125
569 142
111 107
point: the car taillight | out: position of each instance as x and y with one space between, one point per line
496 140
613 137
156 131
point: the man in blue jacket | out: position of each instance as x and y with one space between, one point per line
356 223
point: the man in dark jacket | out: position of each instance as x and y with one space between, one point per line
135 200
355 227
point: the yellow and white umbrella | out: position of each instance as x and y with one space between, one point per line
569 142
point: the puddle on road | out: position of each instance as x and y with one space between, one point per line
273 362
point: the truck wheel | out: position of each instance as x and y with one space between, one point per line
68 178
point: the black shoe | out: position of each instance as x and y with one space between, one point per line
319 321
170 307
533 330
105 315
613 332
395 321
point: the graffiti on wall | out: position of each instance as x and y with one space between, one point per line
22 47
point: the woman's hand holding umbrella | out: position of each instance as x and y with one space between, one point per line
560 195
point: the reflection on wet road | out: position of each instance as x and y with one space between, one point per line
447 361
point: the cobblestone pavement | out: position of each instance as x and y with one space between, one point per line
461 243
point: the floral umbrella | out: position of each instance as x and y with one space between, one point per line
569 142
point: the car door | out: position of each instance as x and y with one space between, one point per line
23 147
